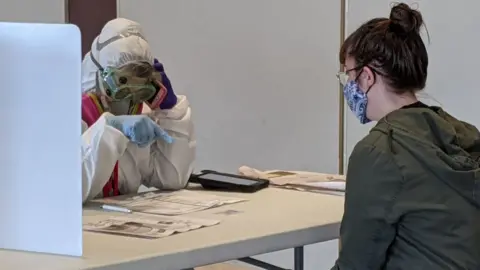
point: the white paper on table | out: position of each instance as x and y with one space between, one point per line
171 203
143 226
331 185
299 180
322 191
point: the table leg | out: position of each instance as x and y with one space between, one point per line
297 261
260 264
298 258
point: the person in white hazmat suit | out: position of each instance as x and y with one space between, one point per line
135 129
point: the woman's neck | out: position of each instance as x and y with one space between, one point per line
396 102
404 100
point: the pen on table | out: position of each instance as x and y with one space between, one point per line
116 208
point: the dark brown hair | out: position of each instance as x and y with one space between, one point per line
391 47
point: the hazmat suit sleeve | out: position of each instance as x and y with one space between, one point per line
170 165
102 146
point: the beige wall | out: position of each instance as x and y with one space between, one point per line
47 11
261 79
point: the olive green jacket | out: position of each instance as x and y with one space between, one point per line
413 195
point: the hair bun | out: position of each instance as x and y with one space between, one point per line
405 18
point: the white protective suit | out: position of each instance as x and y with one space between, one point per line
161 165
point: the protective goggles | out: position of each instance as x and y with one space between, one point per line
121 85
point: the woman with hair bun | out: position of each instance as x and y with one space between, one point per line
413 183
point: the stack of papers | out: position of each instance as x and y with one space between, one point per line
170 203
151 227
299 180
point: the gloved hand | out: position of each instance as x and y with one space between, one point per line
139 129
171 99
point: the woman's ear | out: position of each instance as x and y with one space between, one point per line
367 78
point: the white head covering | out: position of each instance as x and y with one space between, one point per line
120 42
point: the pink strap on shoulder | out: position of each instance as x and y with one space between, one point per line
91 109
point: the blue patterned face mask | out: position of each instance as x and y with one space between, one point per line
356 99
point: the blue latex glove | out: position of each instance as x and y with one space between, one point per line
139 129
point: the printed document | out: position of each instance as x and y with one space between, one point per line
143 226
299 180
171 203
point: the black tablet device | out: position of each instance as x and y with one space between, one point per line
228 182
